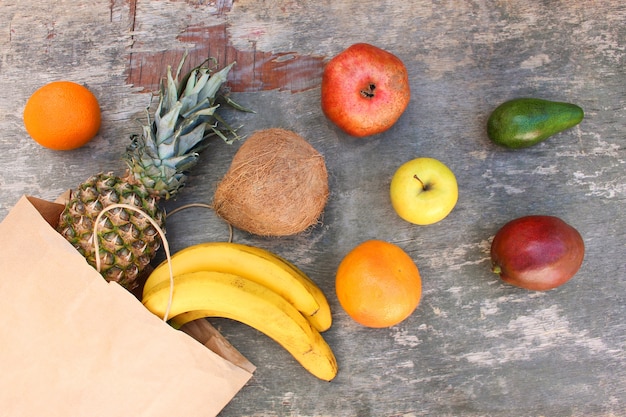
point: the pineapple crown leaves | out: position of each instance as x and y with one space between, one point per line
185 117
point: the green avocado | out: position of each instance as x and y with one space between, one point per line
523 122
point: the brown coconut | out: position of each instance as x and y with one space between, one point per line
277 185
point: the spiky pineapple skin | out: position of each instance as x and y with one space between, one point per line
158 161
127 239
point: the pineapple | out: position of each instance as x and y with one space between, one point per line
157 164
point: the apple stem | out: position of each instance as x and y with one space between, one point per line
421 182
369 93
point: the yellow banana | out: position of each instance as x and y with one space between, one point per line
220 294
256 264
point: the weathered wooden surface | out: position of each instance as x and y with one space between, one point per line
475 347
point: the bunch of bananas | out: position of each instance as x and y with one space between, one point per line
250 285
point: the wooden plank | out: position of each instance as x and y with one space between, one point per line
255 70
474 347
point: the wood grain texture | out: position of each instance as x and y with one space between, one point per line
474 347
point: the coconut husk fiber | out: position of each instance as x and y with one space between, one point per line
277 185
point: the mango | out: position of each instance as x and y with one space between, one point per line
523 122
537 252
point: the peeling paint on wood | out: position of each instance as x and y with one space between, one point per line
254 70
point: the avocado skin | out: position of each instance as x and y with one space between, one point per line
523 122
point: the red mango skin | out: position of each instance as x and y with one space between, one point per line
537 252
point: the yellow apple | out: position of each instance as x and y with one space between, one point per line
423 191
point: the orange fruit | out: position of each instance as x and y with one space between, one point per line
378 284
62 115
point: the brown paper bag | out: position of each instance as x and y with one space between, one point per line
72 344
